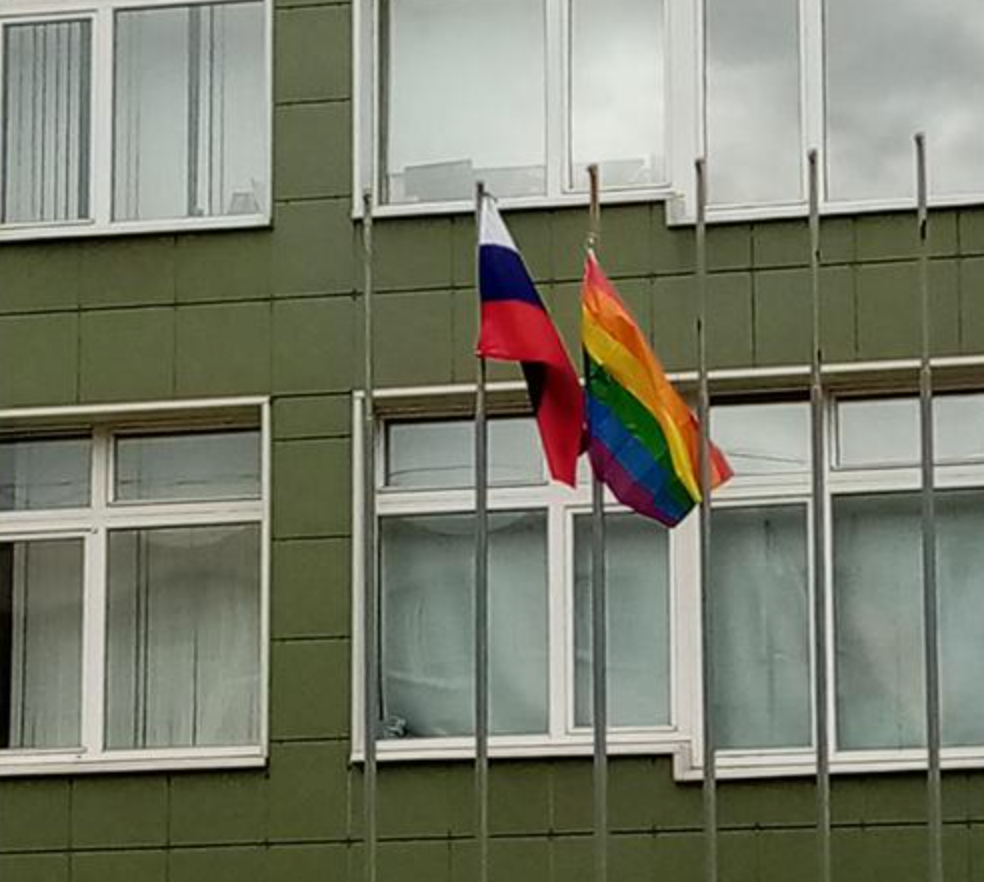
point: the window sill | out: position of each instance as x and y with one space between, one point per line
687 767
59 762
679 211
667 742
88 230
467 206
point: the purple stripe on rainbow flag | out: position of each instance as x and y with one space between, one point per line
625 488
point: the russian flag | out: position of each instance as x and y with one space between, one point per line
517 327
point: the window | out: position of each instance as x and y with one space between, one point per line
760 583
79 151
132 591
567 83
540 618
642 87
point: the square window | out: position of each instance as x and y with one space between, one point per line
133 632
123 117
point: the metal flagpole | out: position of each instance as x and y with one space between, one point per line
599 623
819 460
930 588
481 585
706 607
370 658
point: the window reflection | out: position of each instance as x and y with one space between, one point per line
892 72
753 101
454 113
617 84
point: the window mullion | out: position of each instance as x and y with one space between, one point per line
557 60
559 620
94 616
101 160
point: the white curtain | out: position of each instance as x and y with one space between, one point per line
428 629
638 622
190 118
46 77
41 639
760 594
878 606
184 640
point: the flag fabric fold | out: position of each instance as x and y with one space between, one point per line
643 440
515 326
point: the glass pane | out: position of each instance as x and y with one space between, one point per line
761 596
44 473
761 439
442 455
46 99
202 152
960 565
428 568
183 637
885 432
208 465
753 101
921 67
40 643
618 91
878 614
639 647
455 112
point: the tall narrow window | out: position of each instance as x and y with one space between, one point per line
428 625
878 606
183 651
465 98
189 112
760 594
46 122
618 108
640 648
894 70
40 643
753 101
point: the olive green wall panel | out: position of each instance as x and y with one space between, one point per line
39 359
313 588
39 278
220 267
119 866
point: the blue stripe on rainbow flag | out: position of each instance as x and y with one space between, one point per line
634 458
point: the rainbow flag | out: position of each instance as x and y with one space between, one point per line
643 440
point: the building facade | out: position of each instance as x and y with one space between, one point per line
181 271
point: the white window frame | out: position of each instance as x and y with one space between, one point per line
91 523
101 14
685 124
683 739
680 76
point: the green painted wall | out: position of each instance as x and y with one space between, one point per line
274 312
